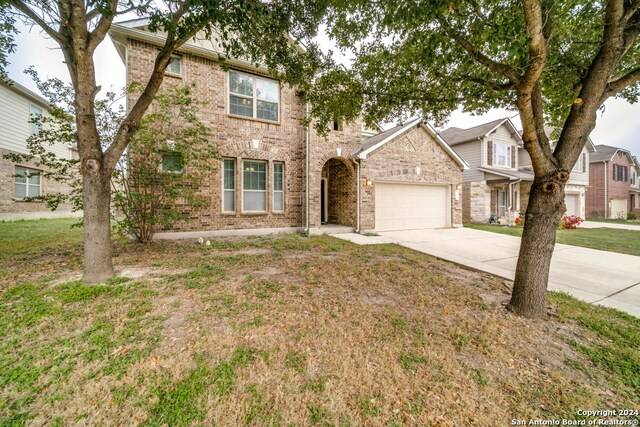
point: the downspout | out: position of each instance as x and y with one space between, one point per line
306 141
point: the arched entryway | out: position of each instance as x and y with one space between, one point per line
338 193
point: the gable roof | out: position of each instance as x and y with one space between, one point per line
454 135
371 144
605 153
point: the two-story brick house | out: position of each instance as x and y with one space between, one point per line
21 182
609 183
276 175
497 184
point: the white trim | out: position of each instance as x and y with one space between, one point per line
273 187
254 97
235 186
265 191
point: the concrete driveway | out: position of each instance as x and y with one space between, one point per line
600 277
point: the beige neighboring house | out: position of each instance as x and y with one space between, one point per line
275 175
497 184
23 180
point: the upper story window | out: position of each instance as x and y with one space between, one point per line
501 154
253 96
633 178
35 111
337 126
27 183
581 164
620 173
175 66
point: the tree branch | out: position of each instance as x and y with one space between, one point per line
100 31
537 43
618 85
31 14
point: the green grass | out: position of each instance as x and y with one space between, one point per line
604 239
22 237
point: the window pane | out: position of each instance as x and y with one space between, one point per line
172 162
229 174
21 191
278 201
267 90
267 110
277 176
175 66
255 201
20 175
35 128
229 203
241 106
33 190
33 177
254 176
240 84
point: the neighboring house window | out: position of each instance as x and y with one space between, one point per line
278 187
501 155
337 125
620 173
172 162
502 203
27 182
34 111
175 66
633 178
253 96
229 185
254 182
579 166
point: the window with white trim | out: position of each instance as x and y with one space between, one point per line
254 186
34 110
229 185
27 182
253 96
501 154
579 166
175 66
278 187
502 203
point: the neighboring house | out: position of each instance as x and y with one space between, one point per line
498 182
634 186
609 181
276 175
21 181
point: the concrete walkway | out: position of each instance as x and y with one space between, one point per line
596 224
599 277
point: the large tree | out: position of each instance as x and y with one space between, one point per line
555 61
261 32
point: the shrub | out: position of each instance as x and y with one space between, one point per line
570 222
632 215
520 221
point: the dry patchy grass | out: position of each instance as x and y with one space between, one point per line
290 330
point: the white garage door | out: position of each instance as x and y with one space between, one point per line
618 208
409 206
572 201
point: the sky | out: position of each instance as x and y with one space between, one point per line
618 125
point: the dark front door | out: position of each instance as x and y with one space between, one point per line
323 200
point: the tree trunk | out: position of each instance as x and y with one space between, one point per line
96 192
543 214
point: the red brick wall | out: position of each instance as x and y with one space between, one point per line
596 207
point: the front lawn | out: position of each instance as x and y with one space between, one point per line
604 239
289 330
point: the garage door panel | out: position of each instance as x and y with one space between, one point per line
408 206
618 208
572 202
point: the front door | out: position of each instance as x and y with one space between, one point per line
323 200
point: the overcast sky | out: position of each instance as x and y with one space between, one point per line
618 125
